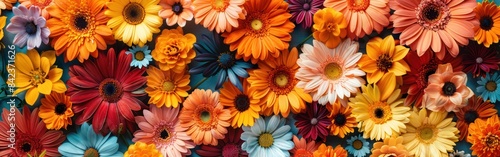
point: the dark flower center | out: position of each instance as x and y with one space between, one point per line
81 22
340 120
177 8
226 60
379 113
26 147
449 88
486 22
111 90
30 28
357 144
164 134
491 86
492 141
429 73
91 152
241 102
431 12
470 116
457 155
134 13
230 150
384 62
60 109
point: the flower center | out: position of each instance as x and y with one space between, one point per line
230 150
357 144
426 133
486 23
177 8
139 55
332 71
168 86
380 112
314 121
205 116
134 13
470 116
37 77
281 80
332 27
80 22
358 5
449 89
111 90
384 62
226 60
340 119
431 12
491 86
60 109
306 6
256 24
91 152
433 15
26 147
492 140
164 134
266 140
30 28
479 60
220 5
241 102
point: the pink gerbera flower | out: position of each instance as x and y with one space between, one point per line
176 12
227 147
221 15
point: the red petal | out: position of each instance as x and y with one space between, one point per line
100 116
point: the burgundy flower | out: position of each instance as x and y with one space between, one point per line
303 10
479 60
314 122
227 147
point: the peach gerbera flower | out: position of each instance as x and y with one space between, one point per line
174 50
328 151
221 15
42 4
329 26
440 25
176 11
446 90
363 16
485 136
391 146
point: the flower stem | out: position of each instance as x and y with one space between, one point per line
198 84
304 41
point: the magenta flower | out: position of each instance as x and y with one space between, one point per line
314 122
29 27
303 10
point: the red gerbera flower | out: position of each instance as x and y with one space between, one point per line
104 90
229 146
314 122
479 60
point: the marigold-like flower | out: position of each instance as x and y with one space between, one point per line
142 149
390 146
329 27
174 50
485 136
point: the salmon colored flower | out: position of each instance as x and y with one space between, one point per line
303 148
176 11
221 15
329 27
174 50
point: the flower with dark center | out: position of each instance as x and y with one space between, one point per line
488 87
227 147
449 88
479 60
29 27
314 122
81 23
476 108
177 8
487 32
342 121
303 10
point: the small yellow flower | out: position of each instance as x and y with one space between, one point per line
330 27
174 50
142 149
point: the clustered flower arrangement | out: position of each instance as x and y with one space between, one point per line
130 67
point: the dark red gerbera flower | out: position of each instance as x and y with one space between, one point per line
227 147
479 60
314 122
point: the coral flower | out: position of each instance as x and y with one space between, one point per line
314 122
275 83
303 148
476 108
37 75
78 28
29 27
479 60
42 4
230 146
303 10
56 111
329 27
362 16
488 30
446 90
485 136
390 146
244 106
174 50
342 120
176 11
437 25
204 117
264 32
142 149
221 15
166 88
328 151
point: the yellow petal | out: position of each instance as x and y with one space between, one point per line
55 74
387 84
59 86
31 96
45 87
34 57
23 63
51 55
45 66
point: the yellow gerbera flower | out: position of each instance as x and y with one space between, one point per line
174 50
166 88
134 22
142 149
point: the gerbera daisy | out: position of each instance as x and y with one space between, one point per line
329 27
446 90
6 4
383 56
221 15
430 134
86 142
142 149
476 108
362 16
485 136
488 87
269 135
160 126
134 22
31 135
166 88
328 151
243 105
36 74
437 25
459 154
275 83
103 90
29 27
216 59
141 56
78 29
42 4
342 120
479 60
174 50
56 111
230 146
379 117
314 122
264 32
204 117
330 74
302 148
488 30
176 12
303 10
390 146
357 146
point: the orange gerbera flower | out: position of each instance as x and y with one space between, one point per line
488 30
275 83
166 88
244 106
329 26
303 148
477 108
342 120
174 50
485 136
55 111
265 31
328 151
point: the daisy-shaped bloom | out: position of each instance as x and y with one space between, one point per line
329 27
302 148
29 27
383 56
216 60
142 149
36 75
134 22
166 88
176 11
221 15
42 4
363 16
390 146
488 87
86 142
269 136
243 105
479 60
437 25
56 111
264 32
303 10
275 83
379 117
488 30
205 117
485 136
330 74
230 146
430 134
328 151
476 108
160 126
342 120
446 90
357 146
174 50
459 154
78 29
314 122
6 4
104 91
141 56
30 135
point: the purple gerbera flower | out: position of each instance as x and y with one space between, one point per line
29 27
303 10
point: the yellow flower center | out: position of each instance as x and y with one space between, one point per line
380 112
91 152
256 24
168 86
139 55
426 134
281 80
266 140
491 140
37 77
205 116
491 86
134 13
358 5
219 5
333 71
357 144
